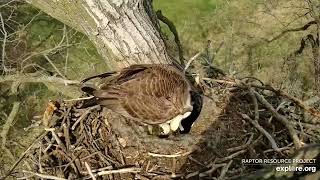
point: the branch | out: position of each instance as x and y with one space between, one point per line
303 28
263 131
42 135
55 67
174 31
279 92
37 78
295 100
44 176
9 122
282 119
124 170
5 34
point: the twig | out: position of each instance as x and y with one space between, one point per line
124 170
213 167
225 170
280 149
66 135
89 170
169 155
37 78
9 121
282 119
255 103
191 60
263 131
7 3
231 156
56 137
24 153
67 50
45 176
5 34
303 28
238 148
297 101
55 67
83 116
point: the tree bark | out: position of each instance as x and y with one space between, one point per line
124 32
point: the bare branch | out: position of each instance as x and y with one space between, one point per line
282 119
303 28
263 131
45 176
124 170
37 78
55 67
174 31
9 122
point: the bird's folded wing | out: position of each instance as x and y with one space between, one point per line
144 108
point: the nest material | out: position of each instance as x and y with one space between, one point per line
94 143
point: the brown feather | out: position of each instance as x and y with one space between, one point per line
150 93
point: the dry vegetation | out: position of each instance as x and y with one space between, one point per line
242 117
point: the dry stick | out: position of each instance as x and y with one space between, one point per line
213 168
255 103
89 170
238 148
63 147
39 160
169 155
303 28
37 78
54 66
191 60
67 50
7 3
24 153
281 149
9 122
67 136
56 137
263 131
297 101
5 34
45 176
231 156
225 170
83 116
282 119
124 170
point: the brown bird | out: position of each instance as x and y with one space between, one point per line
154 94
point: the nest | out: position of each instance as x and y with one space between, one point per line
243 121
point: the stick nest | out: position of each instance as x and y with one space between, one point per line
245 120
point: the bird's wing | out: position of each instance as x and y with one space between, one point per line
152 93
144 108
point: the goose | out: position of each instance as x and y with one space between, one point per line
153 94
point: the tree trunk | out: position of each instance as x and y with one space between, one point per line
124 32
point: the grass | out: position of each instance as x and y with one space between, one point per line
241 25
